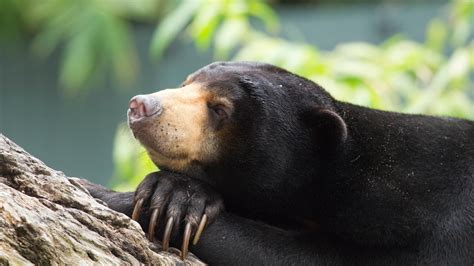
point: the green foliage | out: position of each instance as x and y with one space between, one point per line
11 22
399 75
172 26
94 35
224 21
433 77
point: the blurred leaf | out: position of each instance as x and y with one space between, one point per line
95 39
205 23
471 53
356 69
11 22
358 50
229 34
458 65
78 62
56 29
461 33
141 10
436 35
265 13
118 44
171 26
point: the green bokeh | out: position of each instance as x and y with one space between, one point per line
433 77
96 41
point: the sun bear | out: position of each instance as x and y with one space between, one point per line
304 178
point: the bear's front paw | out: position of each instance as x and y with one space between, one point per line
172 199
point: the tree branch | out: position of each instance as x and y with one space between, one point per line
48 218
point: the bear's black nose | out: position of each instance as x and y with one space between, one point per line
144 106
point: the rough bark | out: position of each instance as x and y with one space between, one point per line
47 218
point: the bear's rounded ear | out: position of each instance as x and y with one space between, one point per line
327 127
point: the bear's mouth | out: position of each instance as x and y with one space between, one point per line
160 139
157 147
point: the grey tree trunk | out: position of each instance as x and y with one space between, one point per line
47 218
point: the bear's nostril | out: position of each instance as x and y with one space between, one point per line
144 106
137 109
133 103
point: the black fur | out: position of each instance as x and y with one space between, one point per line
382 187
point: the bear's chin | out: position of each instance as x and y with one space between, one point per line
172 162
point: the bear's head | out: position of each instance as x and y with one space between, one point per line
237 115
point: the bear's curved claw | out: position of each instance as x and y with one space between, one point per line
202 224
137 209
186 238
167 234
152 225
